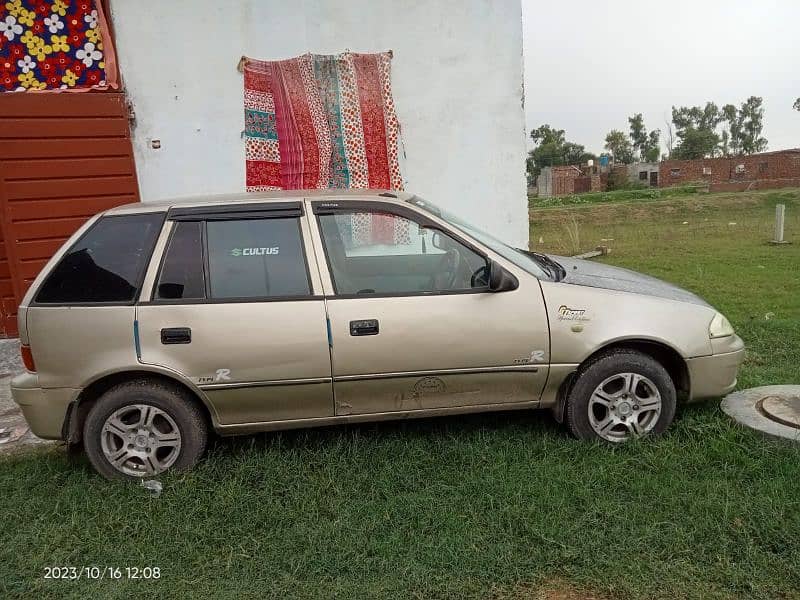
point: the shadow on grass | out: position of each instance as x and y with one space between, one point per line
537 422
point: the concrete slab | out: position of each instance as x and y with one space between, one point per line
10 360
771 409
14 432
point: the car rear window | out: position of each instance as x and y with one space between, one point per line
256 258
106 264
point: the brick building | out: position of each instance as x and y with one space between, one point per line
570 179
756 171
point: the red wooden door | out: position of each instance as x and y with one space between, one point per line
63 158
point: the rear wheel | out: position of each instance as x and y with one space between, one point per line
621 395
143 428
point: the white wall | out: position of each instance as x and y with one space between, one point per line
456 74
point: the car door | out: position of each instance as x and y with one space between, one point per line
235 306
413 323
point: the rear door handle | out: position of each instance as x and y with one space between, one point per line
365 327
176 335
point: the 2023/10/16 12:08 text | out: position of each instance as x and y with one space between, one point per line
102 572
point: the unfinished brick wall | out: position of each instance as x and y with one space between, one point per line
564 180
784 164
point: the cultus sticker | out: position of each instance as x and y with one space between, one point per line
256 251
571 314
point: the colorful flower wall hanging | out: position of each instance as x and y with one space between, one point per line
55 45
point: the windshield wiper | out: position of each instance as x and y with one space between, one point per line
556 269
551 267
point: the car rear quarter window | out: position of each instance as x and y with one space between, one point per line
106 264
256 258
182 275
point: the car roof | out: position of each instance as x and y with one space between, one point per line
251 197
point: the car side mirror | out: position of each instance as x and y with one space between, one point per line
501 280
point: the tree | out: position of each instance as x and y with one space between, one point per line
552 148
732 139
648 145
744 126
696 143
653 149
638 131
796 104
695 128
752 116
618 144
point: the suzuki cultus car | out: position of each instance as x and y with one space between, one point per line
157 324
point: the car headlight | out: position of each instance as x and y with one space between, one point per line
719 327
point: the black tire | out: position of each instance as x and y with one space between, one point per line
606 365
177 403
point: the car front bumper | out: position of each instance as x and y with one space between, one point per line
714 376
45 409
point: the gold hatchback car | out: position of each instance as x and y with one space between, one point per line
157 323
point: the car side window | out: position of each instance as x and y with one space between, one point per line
106 265
383 253
256 258
182 275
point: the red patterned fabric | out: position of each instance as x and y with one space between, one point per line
320 121
371 104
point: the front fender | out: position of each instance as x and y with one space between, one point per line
585 319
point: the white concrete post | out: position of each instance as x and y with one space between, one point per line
780 214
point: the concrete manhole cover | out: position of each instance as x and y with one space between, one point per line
773 409
783 409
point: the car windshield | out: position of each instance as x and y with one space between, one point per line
538 265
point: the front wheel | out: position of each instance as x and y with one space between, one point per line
621 395
143 428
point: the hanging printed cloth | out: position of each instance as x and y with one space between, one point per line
321 121
55 45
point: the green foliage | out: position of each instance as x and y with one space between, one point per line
696 129
628 184
744 127
622 195
648 145
620 147
653 148
553 149
696 143
617 180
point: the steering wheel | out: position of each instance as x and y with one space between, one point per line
449 268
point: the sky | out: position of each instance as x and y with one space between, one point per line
590 65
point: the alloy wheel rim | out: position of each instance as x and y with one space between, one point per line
140 440
624 406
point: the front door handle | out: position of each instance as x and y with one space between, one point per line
176 335
365 327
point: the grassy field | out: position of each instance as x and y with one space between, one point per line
503 506
628 195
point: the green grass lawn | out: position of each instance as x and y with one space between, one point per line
487 506
627 195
